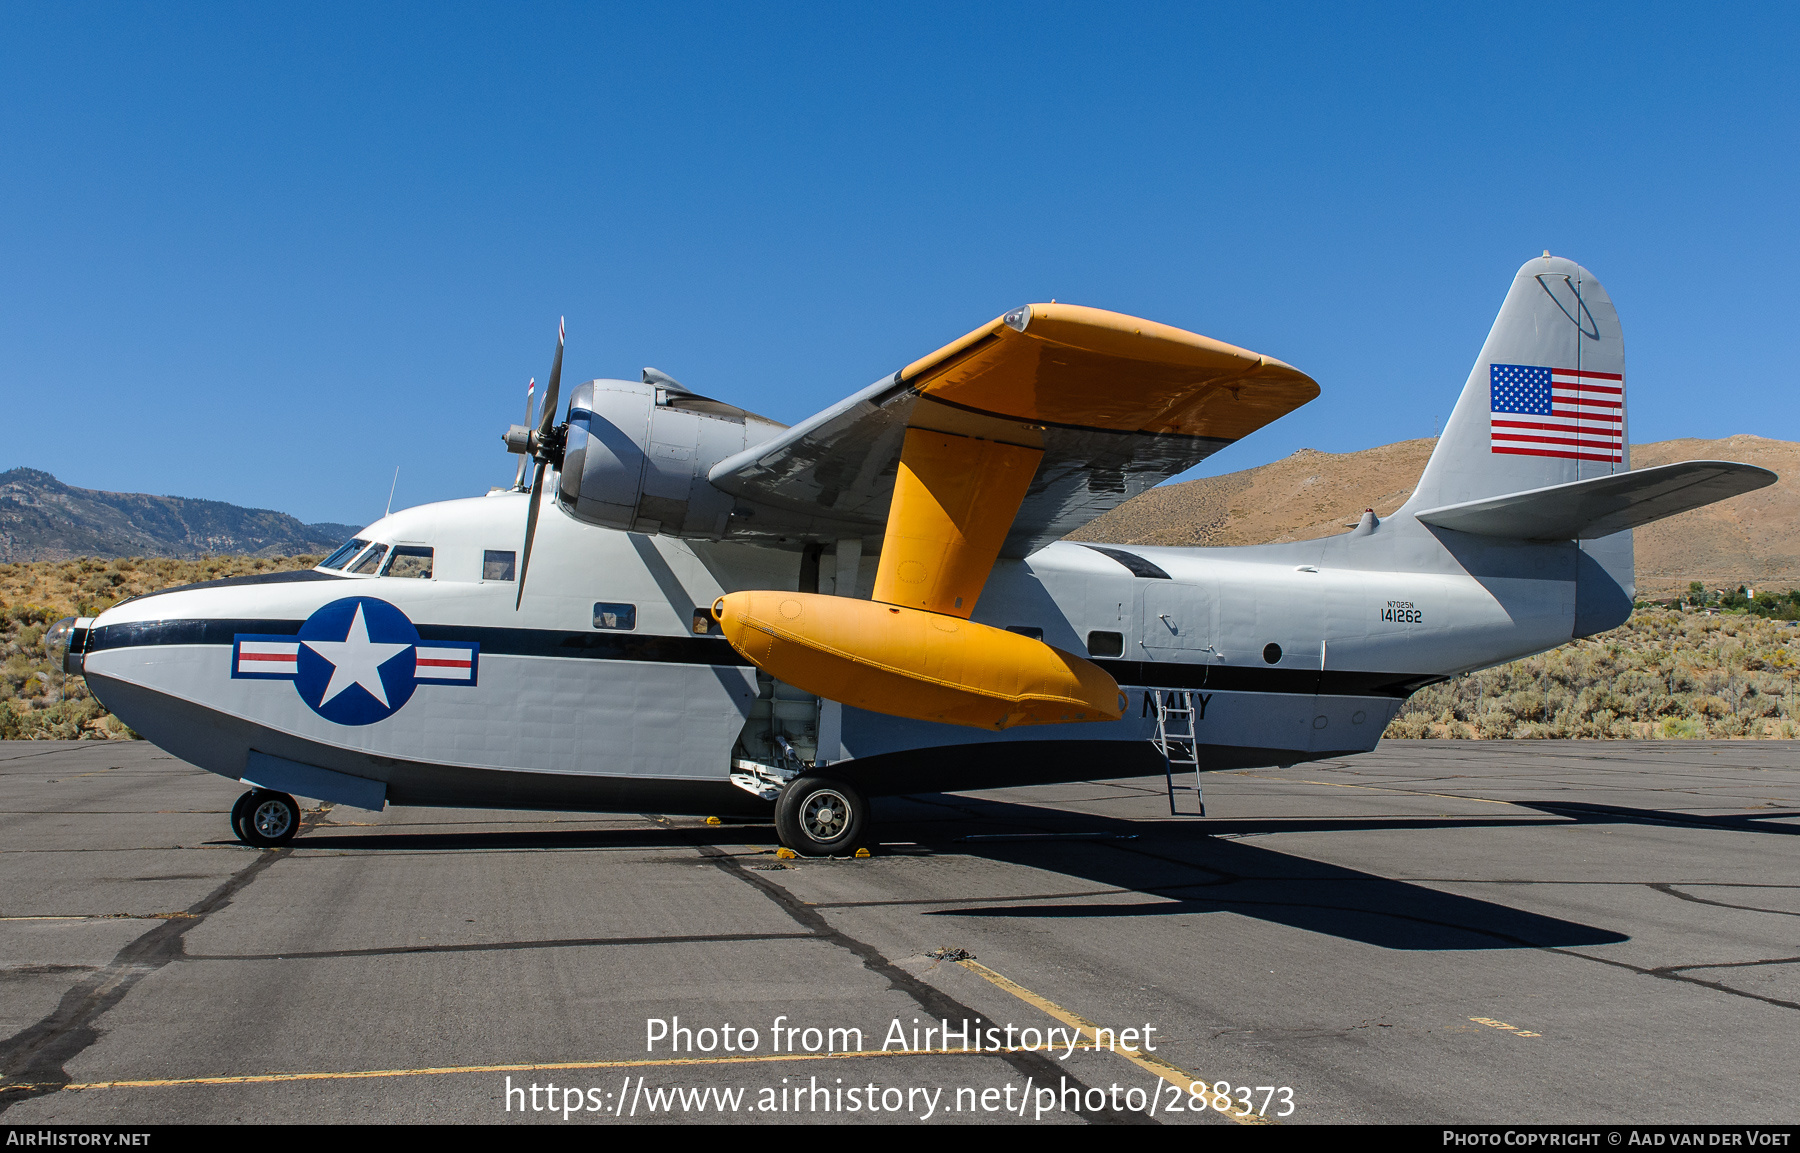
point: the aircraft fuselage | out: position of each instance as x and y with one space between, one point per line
604 691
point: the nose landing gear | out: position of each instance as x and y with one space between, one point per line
265 818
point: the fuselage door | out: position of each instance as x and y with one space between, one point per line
1180 620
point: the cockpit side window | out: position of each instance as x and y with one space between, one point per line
370 562
409 561
345 551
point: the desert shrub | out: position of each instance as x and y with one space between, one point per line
33 594
1664 673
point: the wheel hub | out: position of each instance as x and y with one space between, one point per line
270 819
825 815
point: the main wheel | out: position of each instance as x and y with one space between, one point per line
240 809
819 817
270 819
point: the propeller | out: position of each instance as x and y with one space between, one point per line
543 444
524 460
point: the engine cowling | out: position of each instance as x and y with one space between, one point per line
637 456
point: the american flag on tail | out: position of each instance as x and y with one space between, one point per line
1562 412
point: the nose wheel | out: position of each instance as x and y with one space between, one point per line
820 817
265 818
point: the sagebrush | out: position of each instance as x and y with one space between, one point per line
37 702
1665 673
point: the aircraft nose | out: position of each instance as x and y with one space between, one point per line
56 641
66 641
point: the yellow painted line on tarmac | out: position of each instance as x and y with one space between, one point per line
541 1067
1180 1078
1502 1025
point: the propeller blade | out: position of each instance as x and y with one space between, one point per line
547 419
524 460
546 425
531 515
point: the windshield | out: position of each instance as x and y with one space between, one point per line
345 551
371 561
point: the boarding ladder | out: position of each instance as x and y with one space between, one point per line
1179 745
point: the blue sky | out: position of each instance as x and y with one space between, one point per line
265 254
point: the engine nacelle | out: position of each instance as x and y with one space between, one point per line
637 456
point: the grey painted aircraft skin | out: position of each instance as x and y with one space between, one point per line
598 693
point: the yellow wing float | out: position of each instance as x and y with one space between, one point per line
980 415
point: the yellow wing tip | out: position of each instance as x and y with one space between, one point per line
1109 333
1133 337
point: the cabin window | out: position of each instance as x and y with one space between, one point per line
410 560
370 563
1102 644
497 565
611 616
1031 631
345 551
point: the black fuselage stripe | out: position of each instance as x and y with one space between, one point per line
1237 678
609 646
686 650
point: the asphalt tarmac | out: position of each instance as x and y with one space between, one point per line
1434 932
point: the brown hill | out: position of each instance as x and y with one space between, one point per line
1754 538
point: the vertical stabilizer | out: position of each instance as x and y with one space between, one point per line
1545 402
1544 405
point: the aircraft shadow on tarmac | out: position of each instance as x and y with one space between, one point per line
1189 866
1613 814
1198 866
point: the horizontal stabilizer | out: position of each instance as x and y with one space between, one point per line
1601 505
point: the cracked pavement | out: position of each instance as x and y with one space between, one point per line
1433 932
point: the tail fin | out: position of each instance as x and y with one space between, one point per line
1545 405
1545 402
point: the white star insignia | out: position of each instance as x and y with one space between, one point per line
356 660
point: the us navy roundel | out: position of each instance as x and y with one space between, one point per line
355 661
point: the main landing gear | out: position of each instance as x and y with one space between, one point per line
820 816
265 818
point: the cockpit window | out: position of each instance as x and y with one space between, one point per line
345 551
370 562
410 561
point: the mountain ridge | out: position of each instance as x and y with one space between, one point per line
41 518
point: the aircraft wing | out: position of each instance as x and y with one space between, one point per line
1114 403
1601 505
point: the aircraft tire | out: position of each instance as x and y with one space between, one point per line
239 810
820 817
270 819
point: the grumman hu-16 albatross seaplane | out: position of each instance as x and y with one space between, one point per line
721 615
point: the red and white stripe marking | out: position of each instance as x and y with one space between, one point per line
435 664
268 656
